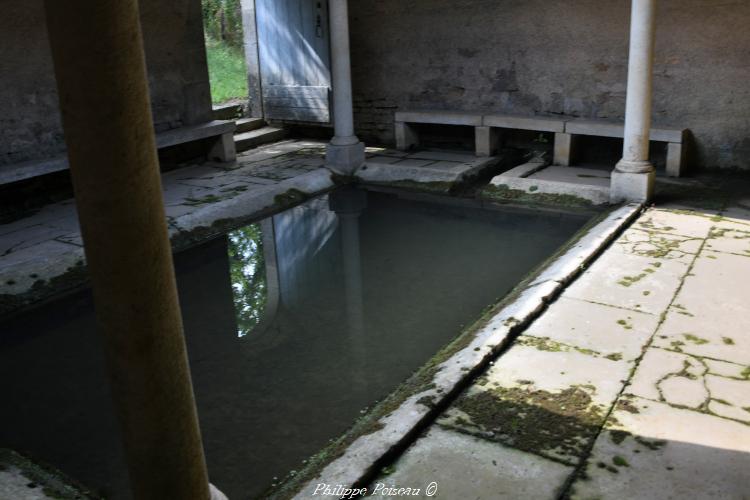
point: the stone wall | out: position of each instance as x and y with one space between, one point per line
30 125
559 57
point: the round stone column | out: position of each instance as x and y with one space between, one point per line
633 178
345 153
97 50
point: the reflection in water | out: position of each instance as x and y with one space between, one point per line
335 303
248 271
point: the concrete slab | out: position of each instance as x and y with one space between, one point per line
729 241
460 464
656 451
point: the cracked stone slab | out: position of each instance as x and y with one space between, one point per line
714 324
605 330
729 397
460 464
655 245
695 225
523 402
729 241
671 377
650 450
631 281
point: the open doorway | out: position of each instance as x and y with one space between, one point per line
227 69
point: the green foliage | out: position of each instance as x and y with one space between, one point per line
247 267
222 20
227 71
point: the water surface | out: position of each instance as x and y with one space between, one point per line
294 325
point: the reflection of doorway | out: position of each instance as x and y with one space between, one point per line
293 59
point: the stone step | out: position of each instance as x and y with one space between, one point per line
249 124
255 138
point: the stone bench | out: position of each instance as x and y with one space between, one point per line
486 133
486 136
221 149
565 142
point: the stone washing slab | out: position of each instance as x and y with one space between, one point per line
459 464
536 123
656 451
386 169
439 117
617 129
596 195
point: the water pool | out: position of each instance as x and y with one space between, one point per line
295 325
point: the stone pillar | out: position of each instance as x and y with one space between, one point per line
345 153
97 50
633 178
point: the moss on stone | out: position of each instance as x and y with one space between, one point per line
503 193
620 461
536 421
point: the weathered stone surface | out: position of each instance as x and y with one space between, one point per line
465 466
607 331
630 281
541 397
715 324
655 451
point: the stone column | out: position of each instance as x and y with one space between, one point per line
633 178
345 153
97 50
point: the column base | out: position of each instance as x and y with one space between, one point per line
345 160
627 186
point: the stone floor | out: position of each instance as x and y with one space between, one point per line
635 383
40 253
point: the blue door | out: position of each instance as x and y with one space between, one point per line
294 59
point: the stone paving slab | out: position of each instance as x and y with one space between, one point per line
713 324
655 451
629 281
541 398
459 464
600 330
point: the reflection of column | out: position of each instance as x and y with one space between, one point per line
345 153
633 178
348 204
